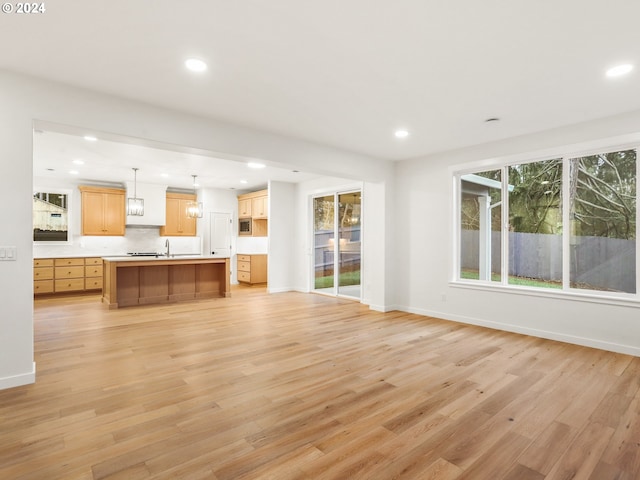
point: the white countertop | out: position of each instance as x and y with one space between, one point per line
133 258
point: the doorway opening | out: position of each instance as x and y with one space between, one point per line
337 244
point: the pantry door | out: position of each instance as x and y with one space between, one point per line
220 234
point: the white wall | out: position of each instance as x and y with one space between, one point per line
378 237
282 222
25 99
378 247
425 251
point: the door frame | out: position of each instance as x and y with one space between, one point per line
336 273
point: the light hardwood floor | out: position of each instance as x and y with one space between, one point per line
302 386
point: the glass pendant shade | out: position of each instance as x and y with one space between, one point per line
135 205
194 208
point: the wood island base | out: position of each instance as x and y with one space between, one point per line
128 282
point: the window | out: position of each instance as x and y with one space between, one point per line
535 224
51 216
603 222
480 220
571 223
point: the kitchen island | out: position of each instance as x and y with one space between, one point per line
144 280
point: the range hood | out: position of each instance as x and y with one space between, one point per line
155 204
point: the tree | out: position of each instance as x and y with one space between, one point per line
603 193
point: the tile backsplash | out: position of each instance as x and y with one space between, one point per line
136 239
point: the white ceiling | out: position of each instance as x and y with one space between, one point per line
346 73
110 159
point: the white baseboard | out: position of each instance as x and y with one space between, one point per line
560 337
19 380
280 289
383 308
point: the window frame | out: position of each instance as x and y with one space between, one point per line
59 191
565 154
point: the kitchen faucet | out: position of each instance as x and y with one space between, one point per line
166 244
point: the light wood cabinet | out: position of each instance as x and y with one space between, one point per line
252 268
259 206
178 223
43 276
68 274
256 206
244 207
93 273
59 275
103 211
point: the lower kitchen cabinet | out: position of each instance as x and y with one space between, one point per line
68 274
43 275
61 275
93 273
252 268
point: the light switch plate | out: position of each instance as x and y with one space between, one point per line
8 254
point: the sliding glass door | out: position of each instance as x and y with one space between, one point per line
337 263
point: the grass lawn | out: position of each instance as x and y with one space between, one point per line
346 278
527 282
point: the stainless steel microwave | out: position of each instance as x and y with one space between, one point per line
244 226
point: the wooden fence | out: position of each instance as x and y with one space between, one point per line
596 262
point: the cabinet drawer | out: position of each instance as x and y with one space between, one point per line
244 266
43 273
94 283
244 277
69 285
244 258
93 261
59 262
70 272
43 262
42 286
93 271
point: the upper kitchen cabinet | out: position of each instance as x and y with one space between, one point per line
257 204
178 223
103 211
244 207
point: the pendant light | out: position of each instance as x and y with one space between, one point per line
135 205
194 208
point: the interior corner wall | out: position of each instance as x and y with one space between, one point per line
377 252
16 277
377 256
424 246
281 234
25 99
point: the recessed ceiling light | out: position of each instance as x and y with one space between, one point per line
164 175
619 70
74 172
195 65
255 165
401 134
243 181
78 162
90 138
